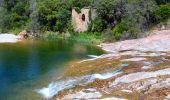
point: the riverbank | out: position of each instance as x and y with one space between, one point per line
84 37
123 74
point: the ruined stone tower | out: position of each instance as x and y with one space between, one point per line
81 21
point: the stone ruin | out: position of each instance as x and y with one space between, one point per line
81 21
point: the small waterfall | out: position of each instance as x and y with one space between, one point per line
55 87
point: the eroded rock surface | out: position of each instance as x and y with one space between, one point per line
135 70
118 76
157 42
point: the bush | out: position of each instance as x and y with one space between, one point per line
13 14
120 28
127 26
70 27
163 12
6 23
108 35
111 12
87 37
51 36
77 9
97 25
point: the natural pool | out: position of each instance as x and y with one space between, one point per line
30 65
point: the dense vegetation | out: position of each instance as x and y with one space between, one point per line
117 19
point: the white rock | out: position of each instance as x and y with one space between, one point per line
94 94
140 75
135 59
9 38
146 67
128 91
167 97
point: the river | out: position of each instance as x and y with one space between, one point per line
30 65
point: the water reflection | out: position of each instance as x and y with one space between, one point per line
29 65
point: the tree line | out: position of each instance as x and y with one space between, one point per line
118 18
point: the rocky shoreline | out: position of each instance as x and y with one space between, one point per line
158 41
134 77
127 73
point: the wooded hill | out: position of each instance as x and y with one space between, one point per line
117 17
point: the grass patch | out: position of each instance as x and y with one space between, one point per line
84 37
95 38
51 36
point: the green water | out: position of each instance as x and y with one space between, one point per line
31 65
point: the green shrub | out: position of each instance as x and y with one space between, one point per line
108 35
96 25
87 37
119 29
77 9
128 26
51 36
6 23
70 27
163 12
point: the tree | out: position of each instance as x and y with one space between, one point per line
162 1
163 12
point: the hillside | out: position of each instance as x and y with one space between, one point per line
116 19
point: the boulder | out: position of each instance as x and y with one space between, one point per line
23 35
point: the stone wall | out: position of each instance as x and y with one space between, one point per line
80 21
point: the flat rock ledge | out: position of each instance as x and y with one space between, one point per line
9 38
159 41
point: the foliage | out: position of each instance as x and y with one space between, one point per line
77 9
97 25
116 19
126 26
163 12
14 14
108 36
111 11
51 36
80 3
5 20
162 1
127 15
53 15
88 37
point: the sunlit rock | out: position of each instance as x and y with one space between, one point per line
135 59
56 87
157 42
146 67
8 38
84 94
140 75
